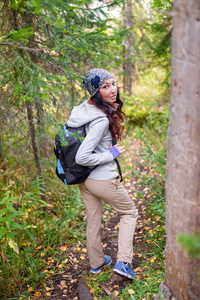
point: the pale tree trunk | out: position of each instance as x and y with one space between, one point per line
128 65
183 159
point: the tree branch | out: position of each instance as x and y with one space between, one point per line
25 48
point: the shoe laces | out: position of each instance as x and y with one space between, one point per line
128 268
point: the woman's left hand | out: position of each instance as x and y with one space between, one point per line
120 148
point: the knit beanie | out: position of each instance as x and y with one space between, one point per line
94 80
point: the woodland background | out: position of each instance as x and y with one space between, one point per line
45 49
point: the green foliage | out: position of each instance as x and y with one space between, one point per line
151 175
158 36
94 281
146 288
14 212
148 103
20 35
191 243
45 52
32 230
154 136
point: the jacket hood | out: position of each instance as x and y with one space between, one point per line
83 114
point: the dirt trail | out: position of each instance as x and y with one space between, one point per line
64 285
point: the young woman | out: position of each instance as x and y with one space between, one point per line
102 115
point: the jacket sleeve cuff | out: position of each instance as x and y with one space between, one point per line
114 152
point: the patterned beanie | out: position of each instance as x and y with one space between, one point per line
94 80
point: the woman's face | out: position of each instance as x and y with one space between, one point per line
108 91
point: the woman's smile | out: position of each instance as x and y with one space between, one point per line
109 91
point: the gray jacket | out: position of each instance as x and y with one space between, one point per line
94 150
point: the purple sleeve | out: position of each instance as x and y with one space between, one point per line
114 152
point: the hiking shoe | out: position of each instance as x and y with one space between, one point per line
124 269
107 262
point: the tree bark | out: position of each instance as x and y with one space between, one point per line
183 158
128 65
35 144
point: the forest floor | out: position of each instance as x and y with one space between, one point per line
64 284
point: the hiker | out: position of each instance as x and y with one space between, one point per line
102 116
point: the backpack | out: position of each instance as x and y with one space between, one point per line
67 142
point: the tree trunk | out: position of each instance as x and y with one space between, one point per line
128 65
35 144
183 159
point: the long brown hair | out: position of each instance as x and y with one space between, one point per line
115 116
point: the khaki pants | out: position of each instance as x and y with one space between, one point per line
114 194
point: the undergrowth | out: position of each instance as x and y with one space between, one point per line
31 232
151 175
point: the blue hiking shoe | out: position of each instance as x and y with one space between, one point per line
107 262
124 270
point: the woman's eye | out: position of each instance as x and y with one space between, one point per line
105 86
114 83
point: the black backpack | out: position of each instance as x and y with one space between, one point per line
67 142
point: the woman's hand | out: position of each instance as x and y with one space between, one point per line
120 148
116 150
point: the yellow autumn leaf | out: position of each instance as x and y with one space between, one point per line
48 294
153 259
30 289
131 292
13 245
116 293
62 248
37 294
52 52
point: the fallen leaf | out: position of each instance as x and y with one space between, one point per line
116 293
13 245
63 283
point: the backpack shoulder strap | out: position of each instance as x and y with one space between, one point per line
114 142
